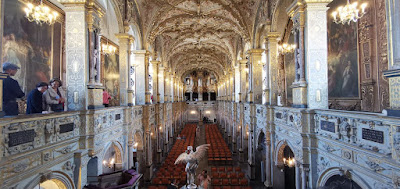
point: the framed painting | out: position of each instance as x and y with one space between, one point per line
289 71
343 70
110 73
35 48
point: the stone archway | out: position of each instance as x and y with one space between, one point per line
284 173
92 170
112 159
260 156
51 184
137 152
50 180
341 178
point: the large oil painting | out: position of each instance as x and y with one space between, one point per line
110 77
289 71
343 74
35 48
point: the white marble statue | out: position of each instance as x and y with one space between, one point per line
191 159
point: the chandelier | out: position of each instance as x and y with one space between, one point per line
40 14
108 49
348 13
290 162
286 48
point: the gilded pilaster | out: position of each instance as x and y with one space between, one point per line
272 64
255 72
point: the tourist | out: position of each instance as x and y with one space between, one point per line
106 98
204 179
54 96
35 99
11 90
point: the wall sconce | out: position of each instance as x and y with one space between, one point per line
109 164
240 127
247 133
286 48
136 145
151 133
160 128
193 112
208 112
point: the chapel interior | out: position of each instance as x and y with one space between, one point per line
290 94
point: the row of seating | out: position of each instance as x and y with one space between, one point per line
168 169
231 187
232 182
219 152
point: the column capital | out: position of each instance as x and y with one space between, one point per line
256 51
271 36
155 62
243 62
123 36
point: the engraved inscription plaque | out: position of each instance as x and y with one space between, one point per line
21 137
372 135
328 126
64 128
117 116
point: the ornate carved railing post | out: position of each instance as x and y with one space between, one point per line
83 54
124 65
272 76
310 90
140 76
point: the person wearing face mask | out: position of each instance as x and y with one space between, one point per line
11 90
54 96
35 99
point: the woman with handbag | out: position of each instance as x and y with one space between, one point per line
54 97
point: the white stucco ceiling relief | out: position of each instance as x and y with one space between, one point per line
197 34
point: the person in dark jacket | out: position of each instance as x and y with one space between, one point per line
35 99
11 90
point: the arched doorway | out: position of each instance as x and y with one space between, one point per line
289 168
138 156
92 170
112 159
260 157
340 181
284 173
51 184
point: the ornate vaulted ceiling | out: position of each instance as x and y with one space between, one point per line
194 35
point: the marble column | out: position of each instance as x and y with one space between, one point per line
130 154
80 24
393 72
147 79
124 51
298 175
272 64
268 172
255 72
156 94
167 86
237 84
243 70
311 56
140 75
131 78
161 83
304 174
